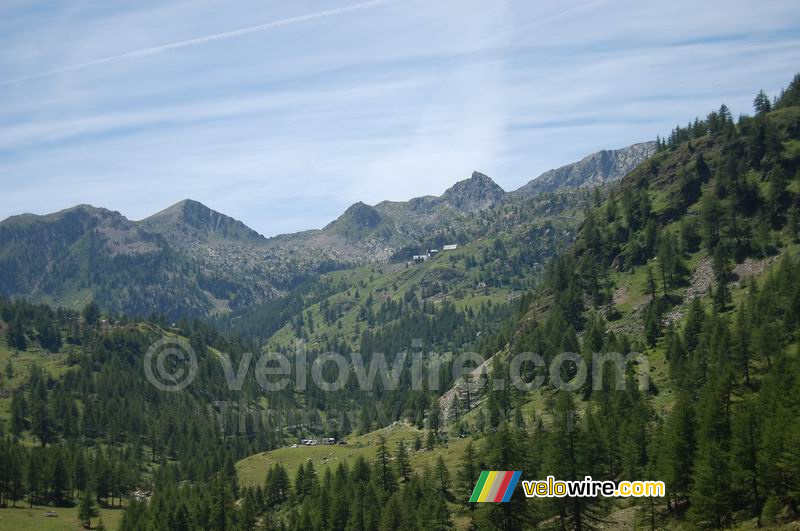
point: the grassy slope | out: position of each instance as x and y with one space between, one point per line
53 364
24 518
385 283
253 469
462 283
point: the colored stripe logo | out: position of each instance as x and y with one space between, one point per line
495 486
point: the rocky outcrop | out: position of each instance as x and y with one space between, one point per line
478 192
598 168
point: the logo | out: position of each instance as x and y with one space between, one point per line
157 355
495 486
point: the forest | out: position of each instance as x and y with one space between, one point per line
717 206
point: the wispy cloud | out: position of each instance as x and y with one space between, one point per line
204 40
393 99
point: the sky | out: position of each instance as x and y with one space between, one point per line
283 113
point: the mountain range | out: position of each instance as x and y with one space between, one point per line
688 270
191 260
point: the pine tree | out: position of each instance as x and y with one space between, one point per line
91 313
652 326
711 487
505 450
33 472
793 224
746 447
58 477
678 450
442 476
442 520
222 512
47 334
468 471
394 518
722 272
742 341
15 336
430 442
401 461
694 325
761 103
80 473
17 413
383 469
300 483
87 510
711 481
310 484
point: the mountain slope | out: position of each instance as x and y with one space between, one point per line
74 255
714 423
479 192
192 219
366 233
597 168
189 260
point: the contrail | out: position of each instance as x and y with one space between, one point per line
203 40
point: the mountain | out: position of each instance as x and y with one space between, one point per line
365 233
85 253
185 260
690 264
478 192
193 220
598 168
357 222
189 260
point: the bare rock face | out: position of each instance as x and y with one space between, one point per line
478 192
598 168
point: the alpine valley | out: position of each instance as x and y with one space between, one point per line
685 249
189 260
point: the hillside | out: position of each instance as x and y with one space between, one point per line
191 261
603 167
365 233
170 263
692 260
497 267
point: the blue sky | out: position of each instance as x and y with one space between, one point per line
282 114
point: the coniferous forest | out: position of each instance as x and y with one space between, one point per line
692 259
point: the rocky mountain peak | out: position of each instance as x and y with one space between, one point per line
357 218
601 167
476 193
190 216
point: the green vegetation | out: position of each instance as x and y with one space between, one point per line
42 518
692 259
